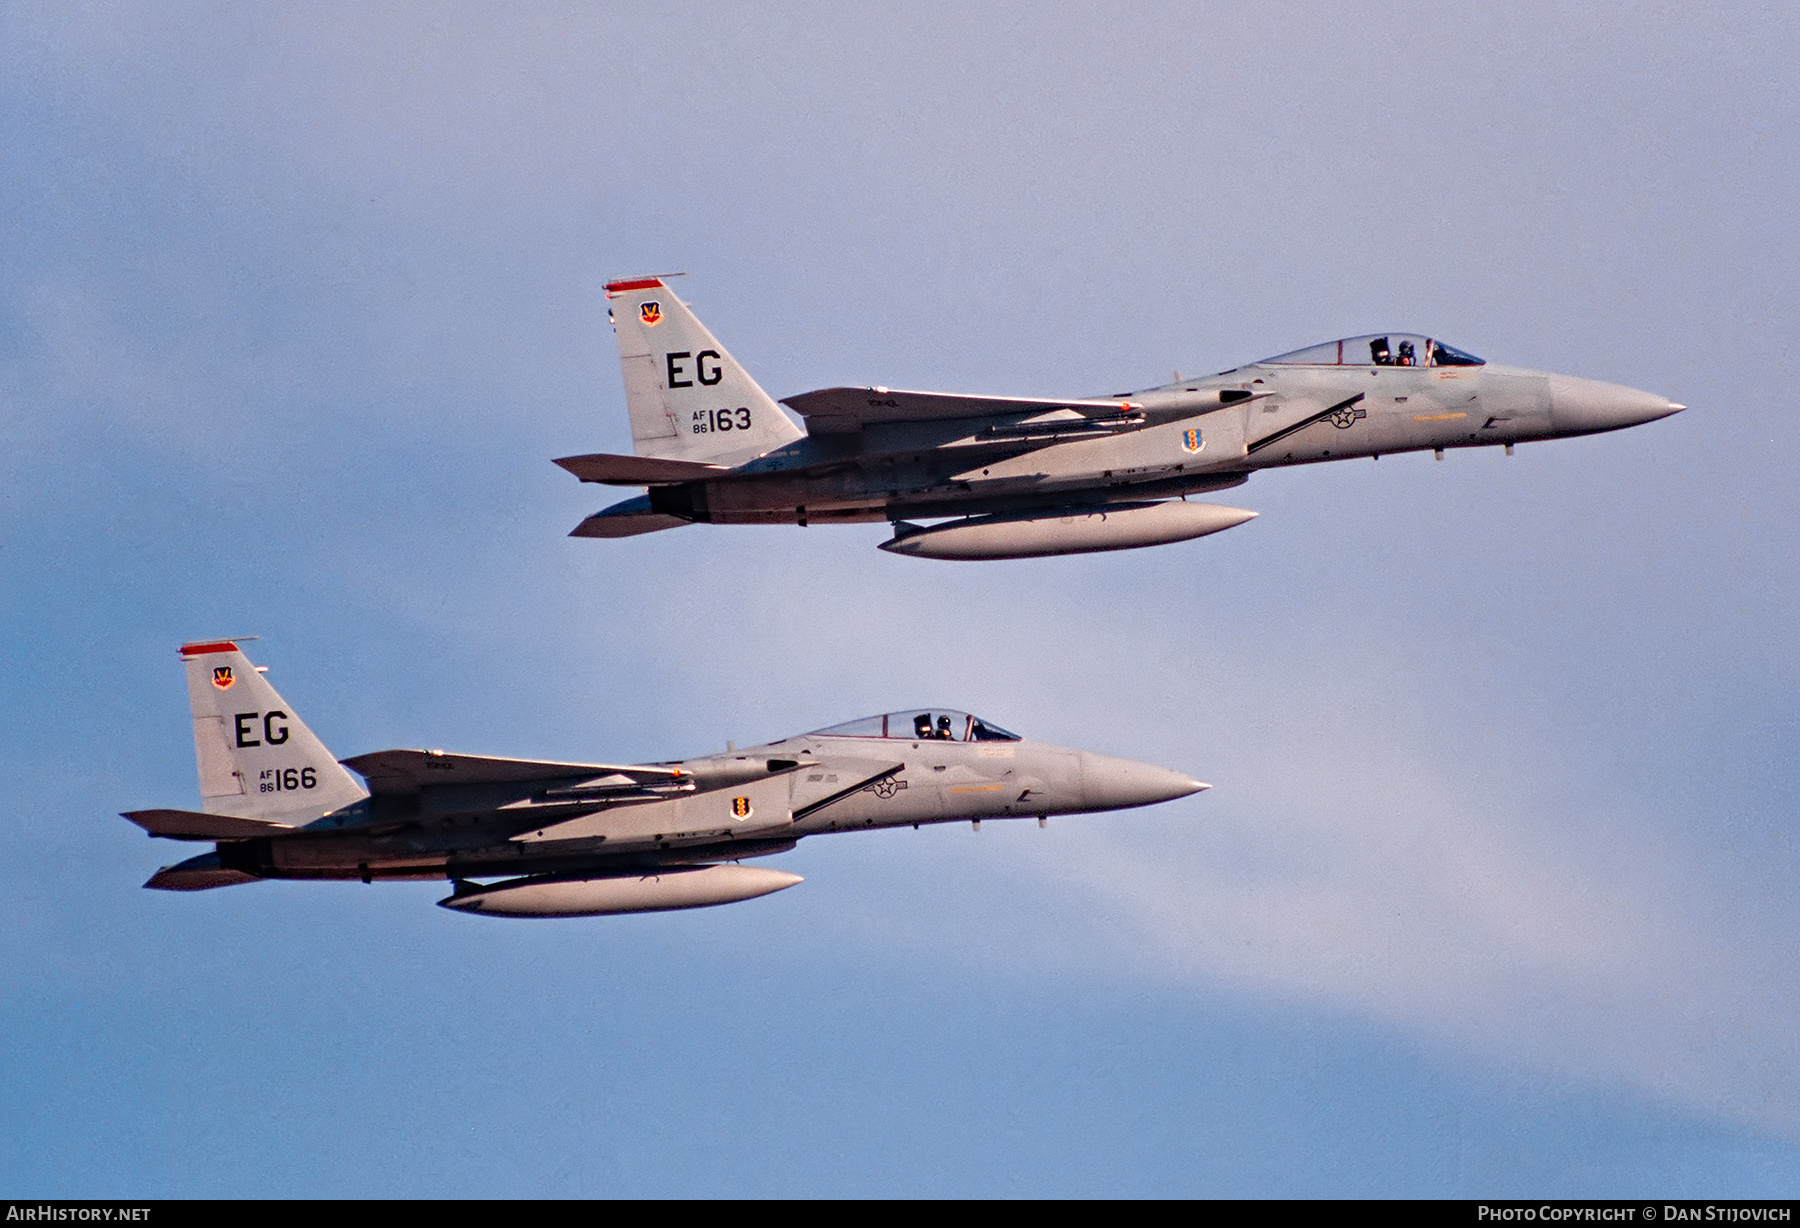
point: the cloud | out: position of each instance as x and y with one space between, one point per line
1537 917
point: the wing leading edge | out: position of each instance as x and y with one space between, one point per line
408 771
836 411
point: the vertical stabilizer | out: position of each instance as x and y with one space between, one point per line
257 760
688 398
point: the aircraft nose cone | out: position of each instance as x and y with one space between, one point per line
1580 406
1115 784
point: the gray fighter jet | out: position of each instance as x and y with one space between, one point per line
1016 477
581 839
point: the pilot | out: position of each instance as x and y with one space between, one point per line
1407 355
922 725
1379 352
943 732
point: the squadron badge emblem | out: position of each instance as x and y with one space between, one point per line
222 676
740 806
651 314
1190 439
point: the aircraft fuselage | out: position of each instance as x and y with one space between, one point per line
1023 477
742 804
1187 443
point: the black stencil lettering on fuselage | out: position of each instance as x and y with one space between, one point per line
706 421
717 373
274 728
286 780
675 360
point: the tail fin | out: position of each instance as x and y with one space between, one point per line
689 400
257 760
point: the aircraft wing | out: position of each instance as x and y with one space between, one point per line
610 470
836 411
408 771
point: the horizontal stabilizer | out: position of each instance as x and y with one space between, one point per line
602 525
611 470
627 519
408 771
193 825
197 874
842 410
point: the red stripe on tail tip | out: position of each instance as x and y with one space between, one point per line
201 650
642 283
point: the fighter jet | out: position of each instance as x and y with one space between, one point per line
1016 477
582 839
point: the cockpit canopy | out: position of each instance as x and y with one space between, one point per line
922 725
1377 350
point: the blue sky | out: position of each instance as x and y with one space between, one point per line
1494 893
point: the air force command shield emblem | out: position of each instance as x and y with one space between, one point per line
222 676
650 313
1190 439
